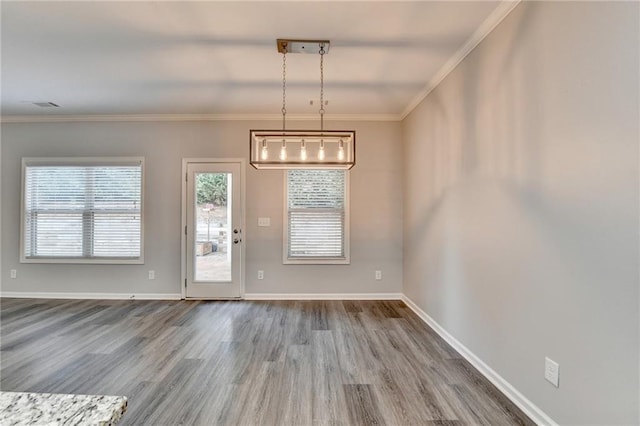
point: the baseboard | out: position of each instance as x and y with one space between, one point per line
323 296
527 407
103 296
177 296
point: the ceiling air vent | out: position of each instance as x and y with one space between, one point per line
46 104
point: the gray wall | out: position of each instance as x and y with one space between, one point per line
521 206
376 200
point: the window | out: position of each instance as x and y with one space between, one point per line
82 210
317 228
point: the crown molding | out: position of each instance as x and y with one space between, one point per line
191 117
489 24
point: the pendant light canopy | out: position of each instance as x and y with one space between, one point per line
300 149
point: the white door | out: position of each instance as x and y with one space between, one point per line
213 230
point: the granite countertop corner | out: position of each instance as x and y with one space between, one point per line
27 408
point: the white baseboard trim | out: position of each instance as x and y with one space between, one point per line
527 407
178 296
323 296
103 296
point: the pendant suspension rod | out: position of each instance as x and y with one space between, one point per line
321 111
284 85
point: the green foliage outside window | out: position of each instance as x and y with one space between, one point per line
211 188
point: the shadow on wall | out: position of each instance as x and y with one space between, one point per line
482 134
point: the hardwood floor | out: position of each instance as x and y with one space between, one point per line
248 362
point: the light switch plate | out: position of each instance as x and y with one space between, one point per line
264 221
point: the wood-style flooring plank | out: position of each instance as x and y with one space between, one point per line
362 405
328 401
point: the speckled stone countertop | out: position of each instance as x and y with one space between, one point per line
23 408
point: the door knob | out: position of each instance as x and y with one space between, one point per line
236 240
235 231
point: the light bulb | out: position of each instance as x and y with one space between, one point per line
341 151
283 152
265 153
321 151
303 152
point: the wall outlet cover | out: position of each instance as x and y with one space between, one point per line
552 372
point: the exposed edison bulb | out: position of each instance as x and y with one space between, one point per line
341 151
321 151
283 152
303 152
264 154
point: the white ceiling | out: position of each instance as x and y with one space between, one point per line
221 58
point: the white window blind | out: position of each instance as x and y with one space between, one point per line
316 215
87 210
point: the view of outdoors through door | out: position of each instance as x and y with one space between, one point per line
213 227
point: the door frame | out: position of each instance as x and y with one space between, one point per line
184 219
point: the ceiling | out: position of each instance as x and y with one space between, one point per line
121 58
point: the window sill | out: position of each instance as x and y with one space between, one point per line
316 261
90 261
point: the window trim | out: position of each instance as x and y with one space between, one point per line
85 161
346 260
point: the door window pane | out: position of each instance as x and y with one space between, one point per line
213 227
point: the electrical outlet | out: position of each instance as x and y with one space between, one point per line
552 371
152 275
378 275
264 221
261 275
14 273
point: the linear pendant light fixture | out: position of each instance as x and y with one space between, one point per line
302 149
